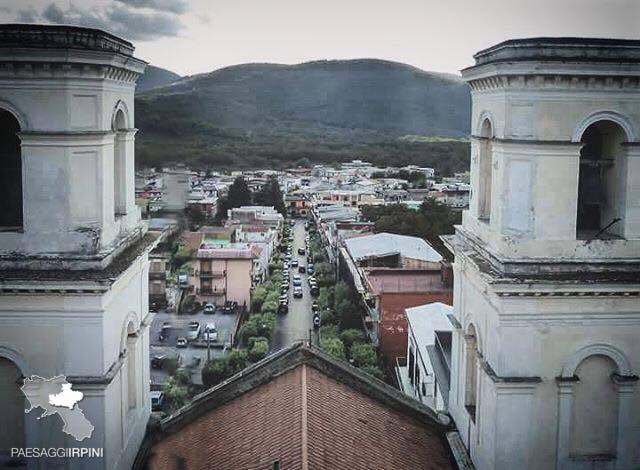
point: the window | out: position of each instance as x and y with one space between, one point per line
471 372
10 173
417 376
131 371
601 188
485 167
594 417
119 165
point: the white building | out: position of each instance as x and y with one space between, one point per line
73 251
426 374
545 350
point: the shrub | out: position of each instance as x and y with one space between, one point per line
183 377
238 359
248 329
328 317
255 339
257 298
175 394
215 371
334 347
269 306
259 350
364 355
352 336
329 331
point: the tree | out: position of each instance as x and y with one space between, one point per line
175 394
215 371
258 296
352 336
259 349
238 359
334 347
238 195
271 195
364 355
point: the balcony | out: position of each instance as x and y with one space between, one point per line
402 376
211 274
157 275
209 291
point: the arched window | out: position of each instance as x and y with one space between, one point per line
132 369
12 406
601 187
10 173
471 371
594 417
119 164
485 171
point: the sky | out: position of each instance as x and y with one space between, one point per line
197 36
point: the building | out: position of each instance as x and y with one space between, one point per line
424 373
73 250
391 273
298 204
256 215
321 413
545 350
176 186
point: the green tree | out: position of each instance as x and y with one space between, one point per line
238 359
271 195
352 336
215 371
259 349
248 330
258 296
175 394
238 195
334 347
364 355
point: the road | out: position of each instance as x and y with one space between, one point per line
224 325
295 325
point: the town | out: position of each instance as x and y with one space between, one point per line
301 263
345 315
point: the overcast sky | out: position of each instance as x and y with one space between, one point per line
193 36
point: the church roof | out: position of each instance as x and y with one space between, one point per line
301 405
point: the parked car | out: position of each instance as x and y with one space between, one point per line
314 307
301 251
297 281
302 269
181 342
297 292
294 263
283 308
210 332
157 361
157 400
209 308
183 280
193 331
314 291
230 306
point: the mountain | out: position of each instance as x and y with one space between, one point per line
273 114
154 77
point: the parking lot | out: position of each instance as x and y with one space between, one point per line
193 357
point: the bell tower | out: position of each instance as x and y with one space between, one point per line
73 250
547 259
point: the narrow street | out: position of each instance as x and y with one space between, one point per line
295 325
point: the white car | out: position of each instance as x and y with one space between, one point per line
210 332
209 308
193 331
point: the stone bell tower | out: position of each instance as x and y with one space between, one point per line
73 250
546 354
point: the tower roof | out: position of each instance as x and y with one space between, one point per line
555 49
61 37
